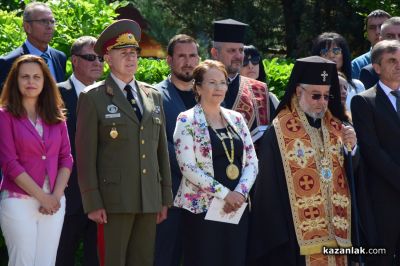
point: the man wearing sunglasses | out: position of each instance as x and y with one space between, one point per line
247 96
77 227
302 191
39 25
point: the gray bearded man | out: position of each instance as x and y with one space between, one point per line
302 198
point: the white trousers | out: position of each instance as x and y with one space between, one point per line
31 237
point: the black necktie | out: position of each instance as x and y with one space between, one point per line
45 57
132 101
397 95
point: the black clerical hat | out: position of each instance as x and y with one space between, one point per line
314 70
229 30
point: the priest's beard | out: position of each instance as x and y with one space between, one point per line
308 110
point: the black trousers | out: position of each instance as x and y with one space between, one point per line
168 250
75 229
209 243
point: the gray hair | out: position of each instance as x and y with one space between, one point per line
393 21
217 45
383 47
30 9
81 42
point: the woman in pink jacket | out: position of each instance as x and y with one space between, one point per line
36 161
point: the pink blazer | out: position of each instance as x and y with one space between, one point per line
23 150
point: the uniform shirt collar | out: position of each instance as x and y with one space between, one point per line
121 85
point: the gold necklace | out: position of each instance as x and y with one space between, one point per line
232 171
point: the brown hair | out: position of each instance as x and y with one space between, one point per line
180 38
50 106
201 69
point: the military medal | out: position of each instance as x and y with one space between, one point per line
232 171
113 133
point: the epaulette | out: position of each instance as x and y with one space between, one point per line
94 85
147 85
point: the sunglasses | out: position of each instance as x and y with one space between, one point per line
91 57
318 96
255 60
335 51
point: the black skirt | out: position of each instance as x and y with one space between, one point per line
210 243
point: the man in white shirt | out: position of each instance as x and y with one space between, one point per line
88 67
376 117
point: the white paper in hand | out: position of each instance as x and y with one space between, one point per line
216 212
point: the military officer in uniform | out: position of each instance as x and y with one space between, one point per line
122 154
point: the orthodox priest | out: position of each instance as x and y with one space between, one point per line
247 96
302 199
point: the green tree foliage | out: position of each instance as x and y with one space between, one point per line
11 35
364 7
11 4
283 27
152 71
167 18
278 73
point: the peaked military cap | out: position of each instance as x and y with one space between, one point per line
124 33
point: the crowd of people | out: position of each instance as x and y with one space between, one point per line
141 174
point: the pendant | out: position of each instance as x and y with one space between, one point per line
113 133
232 171
326 174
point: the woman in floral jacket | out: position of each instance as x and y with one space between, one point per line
217 159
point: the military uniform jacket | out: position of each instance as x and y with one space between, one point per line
127 173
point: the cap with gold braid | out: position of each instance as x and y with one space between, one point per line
124 33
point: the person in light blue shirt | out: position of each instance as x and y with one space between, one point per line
39 25
373 24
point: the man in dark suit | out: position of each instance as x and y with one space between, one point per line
376 116
178 96
39 24
88 67
122 152
390 30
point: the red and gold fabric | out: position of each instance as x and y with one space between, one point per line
252 102
316 180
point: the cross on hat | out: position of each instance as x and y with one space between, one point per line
324 75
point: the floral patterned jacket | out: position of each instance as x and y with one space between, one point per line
194 154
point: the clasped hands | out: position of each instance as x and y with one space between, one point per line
49 204
233 201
